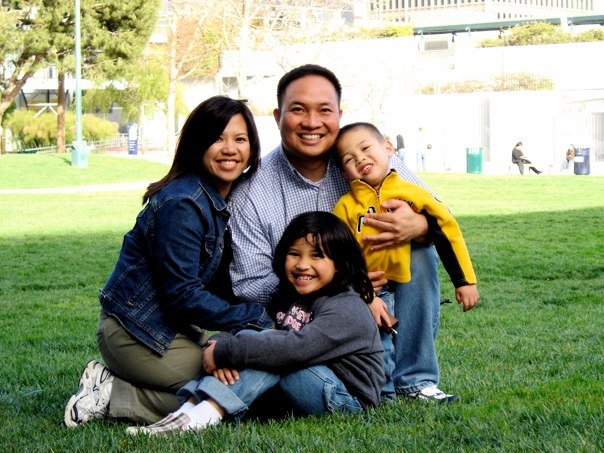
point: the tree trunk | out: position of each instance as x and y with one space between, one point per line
61 113
3 108
171 101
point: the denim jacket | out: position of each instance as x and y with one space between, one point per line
158 285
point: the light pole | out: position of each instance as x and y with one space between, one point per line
79 150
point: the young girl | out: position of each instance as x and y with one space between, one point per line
163 290
326 355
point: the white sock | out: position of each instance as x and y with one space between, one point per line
185 407
203 415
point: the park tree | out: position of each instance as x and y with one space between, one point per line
114 35
190 49
40 33
251 25
24 47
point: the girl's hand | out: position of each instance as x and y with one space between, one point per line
379 310
400 225
227 376
209 366
467 296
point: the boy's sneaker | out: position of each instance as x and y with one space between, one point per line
433 393
92 398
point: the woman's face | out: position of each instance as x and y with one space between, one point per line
307 268
227 158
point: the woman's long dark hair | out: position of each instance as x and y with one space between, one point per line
333 238
202 128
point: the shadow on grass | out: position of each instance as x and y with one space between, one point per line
518 359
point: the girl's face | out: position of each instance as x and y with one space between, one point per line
228 156
307 268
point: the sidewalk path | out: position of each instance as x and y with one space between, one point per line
115 187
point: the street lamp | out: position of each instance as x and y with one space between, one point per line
79 149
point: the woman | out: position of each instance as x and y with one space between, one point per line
162 293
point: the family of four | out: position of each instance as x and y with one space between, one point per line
302 297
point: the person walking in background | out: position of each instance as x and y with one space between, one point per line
400 147
170 282
422 152
520 159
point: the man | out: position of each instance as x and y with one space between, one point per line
300 176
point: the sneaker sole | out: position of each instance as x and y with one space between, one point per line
68 418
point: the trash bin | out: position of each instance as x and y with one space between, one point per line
581 161
474 160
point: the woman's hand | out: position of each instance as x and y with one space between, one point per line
227 376
401 224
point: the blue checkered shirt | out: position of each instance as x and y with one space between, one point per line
262 207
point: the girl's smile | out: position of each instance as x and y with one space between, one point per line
307 267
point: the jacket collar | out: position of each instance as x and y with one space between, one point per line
360 186
212 192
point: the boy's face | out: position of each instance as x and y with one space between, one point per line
364 156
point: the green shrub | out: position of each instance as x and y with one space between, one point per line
508 82
535 33
42 130
589 36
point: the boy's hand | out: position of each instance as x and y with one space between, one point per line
467 296
379 310
401 224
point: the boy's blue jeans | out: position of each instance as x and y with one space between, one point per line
313 390
417 307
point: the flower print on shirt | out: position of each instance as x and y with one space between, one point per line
295 318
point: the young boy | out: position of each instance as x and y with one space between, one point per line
364 157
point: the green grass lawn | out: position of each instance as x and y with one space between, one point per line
528 361
27 171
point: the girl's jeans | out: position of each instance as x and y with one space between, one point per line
312 390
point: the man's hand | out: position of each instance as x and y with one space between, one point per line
377 279
399 226
209 366
379 310
467 296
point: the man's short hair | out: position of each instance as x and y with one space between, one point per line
303 71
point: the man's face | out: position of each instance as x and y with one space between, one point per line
309 118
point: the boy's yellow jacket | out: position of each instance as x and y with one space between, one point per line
396 261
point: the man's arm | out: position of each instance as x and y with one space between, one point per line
252 266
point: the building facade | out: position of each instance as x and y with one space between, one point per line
441 12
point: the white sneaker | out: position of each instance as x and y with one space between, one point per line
92 398
433 393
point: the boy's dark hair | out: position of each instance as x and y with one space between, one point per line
303 71
202 128
333 238
350 127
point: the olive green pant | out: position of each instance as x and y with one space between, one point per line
145 383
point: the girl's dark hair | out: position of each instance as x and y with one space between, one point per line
333 238
202 128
